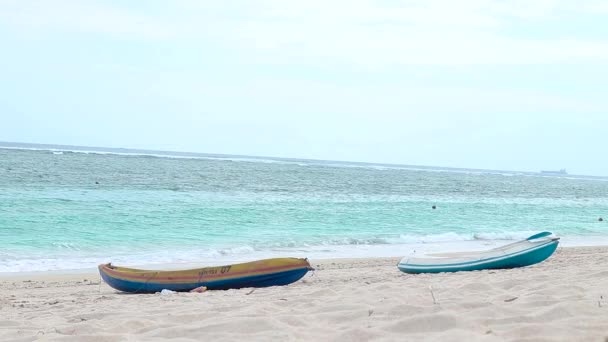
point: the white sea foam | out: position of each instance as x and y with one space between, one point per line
205 257
251 159
168 154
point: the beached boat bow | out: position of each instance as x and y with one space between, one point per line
261 273
530 251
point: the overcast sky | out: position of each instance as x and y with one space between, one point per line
514 85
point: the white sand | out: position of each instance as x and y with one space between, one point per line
562 299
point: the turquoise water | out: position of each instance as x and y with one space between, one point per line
62 209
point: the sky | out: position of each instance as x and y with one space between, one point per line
494 84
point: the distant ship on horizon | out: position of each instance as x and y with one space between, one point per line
560 172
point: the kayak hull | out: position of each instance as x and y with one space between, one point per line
520 254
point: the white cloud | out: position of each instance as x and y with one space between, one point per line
423 32
68 17
364 33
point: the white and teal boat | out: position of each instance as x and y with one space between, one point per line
530 251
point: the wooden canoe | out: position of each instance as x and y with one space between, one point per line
261 273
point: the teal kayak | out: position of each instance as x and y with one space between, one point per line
530 251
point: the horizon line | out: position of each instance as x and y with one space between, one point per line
211 154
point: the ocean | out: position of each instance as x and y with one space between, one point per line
66 207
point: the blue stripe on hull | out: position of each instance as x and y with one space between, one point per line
265 280
525 259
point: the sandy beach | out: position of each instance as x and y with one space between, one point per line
562 299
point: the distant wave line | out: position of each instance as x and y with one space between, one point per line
275 160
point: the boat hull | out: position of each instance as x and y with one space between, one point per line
262 273
519 255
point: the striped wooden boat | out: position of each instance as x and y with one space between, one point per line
262 273
530 251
